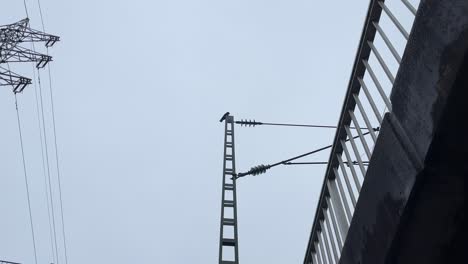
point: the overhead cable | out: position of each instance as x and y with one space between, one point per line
46 186
253 123
55 144
263 168
26 181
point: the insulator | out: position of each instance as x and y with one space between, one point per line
250 123
258 169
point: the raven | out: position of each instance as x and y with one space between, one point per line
224 117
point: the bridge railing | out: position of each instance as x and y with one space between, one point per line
383 40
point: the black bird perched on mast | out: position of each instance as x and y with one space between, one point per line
224 117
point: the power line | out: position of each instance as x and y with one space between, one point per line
44 148
58 167
40 14
48 164
26 8
263 168
15 34
26 180
250 123
8 262
43 60
55 143
307 163
46 188
365 163
49 193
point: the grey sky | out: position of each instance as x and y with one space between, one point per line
139 87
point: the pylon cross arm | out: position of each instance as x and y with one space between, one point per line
21 32
11 38
20 54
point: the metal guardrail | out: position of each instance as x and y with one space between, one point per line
374 75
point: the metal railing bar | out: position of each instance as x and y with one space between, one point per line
364 116
348 184
343 197
310 256
331 212
351 166
374 13
317 253
370 100
322 251
325 241
394 20
329 230
338 209
315 258
331 237
361 136
356 152
382 62
409 6
378 85
388 42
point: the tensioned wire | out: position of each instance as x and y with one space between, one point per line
26 8
46 186
55 142
26 180
49 194
25 176
48 164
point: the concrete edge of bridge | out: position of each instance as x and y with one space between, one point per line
432 60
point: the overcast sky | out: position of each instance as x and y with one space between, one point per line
139 87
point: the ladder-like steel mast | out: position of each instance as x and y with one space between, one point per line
228 241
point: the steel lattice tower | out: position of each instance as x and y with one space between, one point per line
228 241
11 36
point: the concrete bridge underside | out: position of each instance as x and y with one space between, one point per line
413 206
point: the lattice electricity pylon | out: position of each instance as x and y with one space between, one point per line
8 78
20 54
228 242
11 36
